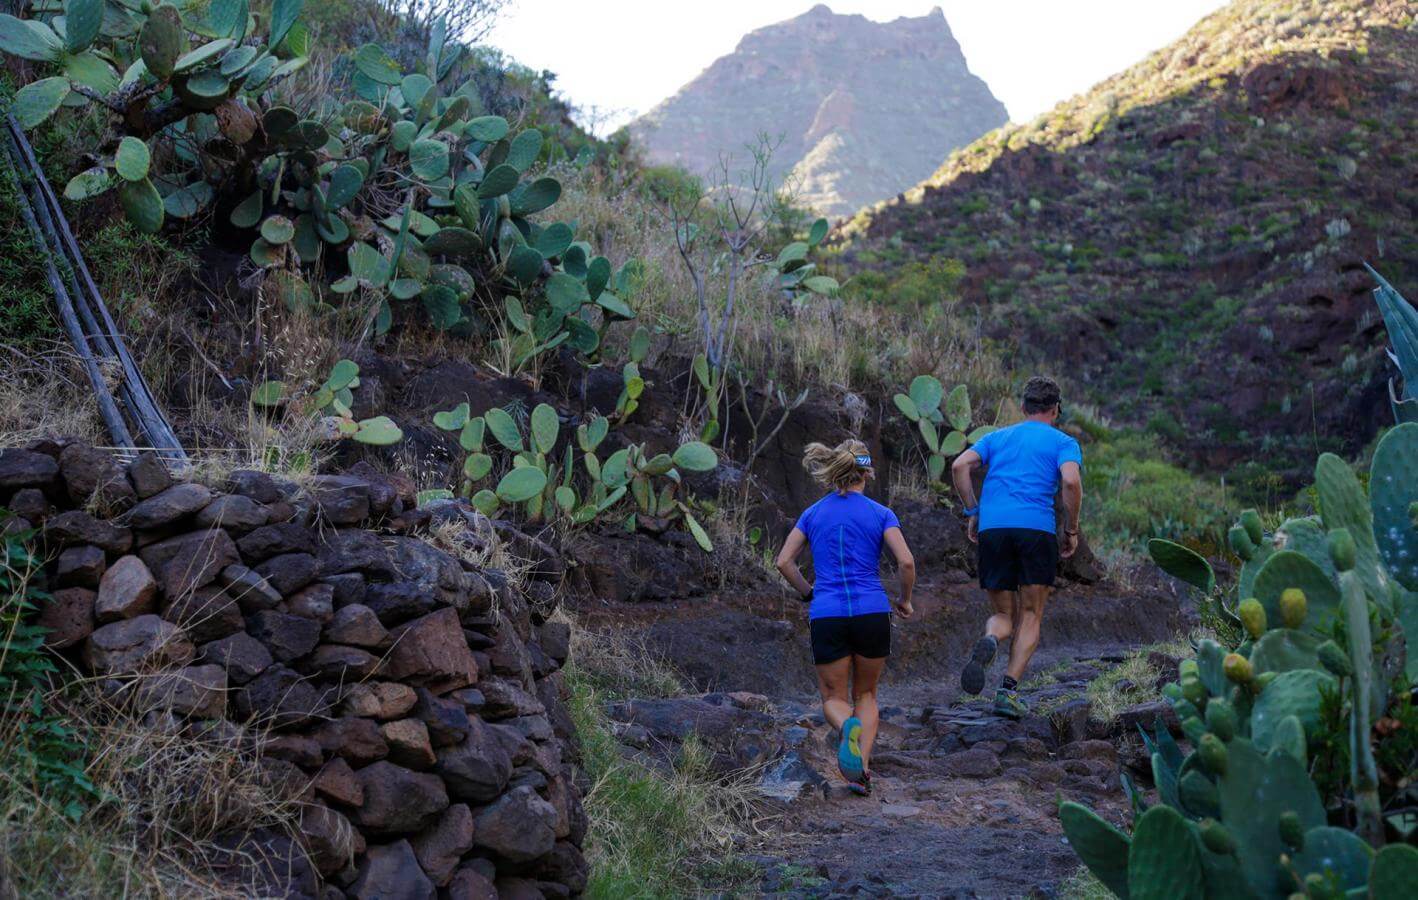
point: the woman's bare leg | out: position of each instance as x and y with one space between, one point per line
833 680
865 674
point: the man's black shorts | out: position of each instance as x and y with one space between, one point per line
834 637
1010 557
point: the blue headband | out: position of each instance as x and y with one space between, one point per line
864 461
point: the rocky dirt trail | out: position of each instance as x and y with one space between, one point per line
965 801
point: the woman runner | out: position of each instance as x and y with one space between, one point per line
850 615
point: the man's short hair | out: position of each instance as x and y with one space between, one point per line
1040 395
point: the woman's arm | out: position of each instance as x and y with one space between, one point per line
788 561
905 568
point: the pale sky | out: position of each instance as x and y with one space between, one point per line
618 58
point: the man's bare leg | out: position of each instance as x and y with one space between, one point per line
1000 625
1032 598
998 628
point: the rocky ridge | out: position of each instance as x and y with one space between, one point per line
414 699
865 109
1186 239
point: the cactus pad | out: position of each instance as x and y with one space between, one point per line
1289 737
1289 569
1394 872
1164 862
1182 563
379 431
1307 537
38 100
1393 488
1198 794
1255 791
1338 855
143 205
521 485
1285 649
1103 848
1295 693
1344 505
1210 660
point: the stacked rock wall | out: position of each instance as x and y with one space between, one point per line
412 699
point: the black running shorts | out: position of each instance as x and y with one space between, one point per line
834 637
1010 557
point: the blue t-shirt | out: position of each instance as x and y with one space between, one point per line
845 532
1023 475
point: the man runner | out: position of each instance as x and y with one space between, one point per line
1014 525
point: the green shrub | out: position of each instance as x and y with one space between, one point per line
35 744
1133 493
25 302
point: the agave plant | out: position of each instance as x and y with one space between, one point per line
1402 321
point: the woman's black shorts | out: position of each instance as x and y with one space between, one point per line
1010 557
834 637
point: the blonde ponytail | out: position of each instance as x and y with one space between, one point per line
835 467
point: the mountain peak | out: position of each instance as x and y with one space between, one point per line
865 108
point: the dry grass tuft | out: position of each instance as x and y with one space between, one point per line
618 665
166 791
46 394
1134 680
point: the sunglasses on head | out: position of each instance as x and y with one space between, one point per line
863 461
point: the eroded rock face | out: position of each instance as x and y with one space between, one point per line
359 654
834 87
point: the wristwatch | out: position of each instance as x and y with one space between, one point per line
806 598
971 511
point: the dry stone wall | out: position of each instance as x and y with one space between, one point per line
412 700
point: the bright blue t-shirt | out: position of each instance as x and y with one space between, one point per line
845 532
1023 475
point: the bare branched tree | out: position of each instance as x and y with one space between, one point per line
468 20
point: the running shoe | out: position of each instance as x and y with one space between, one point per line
861 788
972 677
849 753
1008 704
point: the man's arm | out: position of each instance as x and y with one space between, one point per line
962 473
1072 478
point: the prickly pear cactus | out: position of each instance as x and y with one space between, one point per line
1393 493
1243 798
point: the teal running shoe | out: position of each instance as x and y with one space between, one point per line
849 751
1008 704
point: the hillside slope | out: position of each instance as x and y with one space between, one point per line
1185 240
865 109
